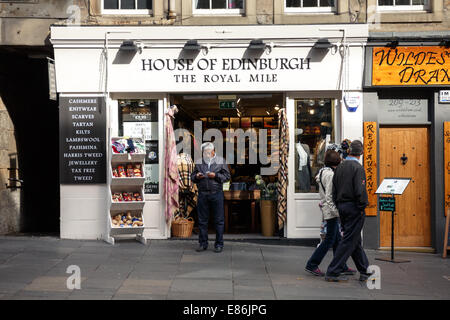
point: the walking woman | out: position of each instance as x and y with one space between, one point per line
330 214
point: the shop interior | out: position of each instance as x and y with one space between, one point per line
225 112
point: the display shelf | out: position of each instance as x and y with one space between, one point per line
126 185
127 157
117 230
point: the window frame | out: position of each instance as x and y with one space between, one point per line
410 7
218 12
126 11
317 9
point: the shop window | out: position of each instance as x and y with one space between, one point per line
218 7
403 5
313 130
310 6
127 6
139 118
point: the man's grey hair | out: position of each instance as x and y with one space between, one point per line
208 146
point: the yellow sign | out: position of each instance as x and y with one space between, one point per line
411 66
447 166
370 165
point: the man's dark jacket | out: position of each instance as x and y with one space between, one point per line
349 184
219 167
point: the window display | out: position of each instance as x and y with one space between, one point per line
313 130
137 118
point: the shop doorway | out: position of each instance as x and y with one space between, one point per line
404 153
231 113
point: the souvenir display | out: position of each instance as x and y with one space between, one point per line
127 220
121 170
130 171
137 170
126 196
134 145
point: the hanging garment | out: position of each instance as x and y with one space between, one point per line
303 174
283 169
188 189
171 177
302 156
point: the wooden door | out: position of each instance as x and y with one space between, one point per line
412 226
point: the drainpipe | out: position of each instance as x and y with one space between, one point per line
172 12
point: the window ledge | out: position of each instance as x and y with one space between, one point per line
409 16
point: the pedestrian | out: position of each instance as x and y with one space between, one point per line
350 197
209 177
330 215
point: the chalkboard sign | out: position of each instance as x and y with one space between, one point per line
386 204
82 129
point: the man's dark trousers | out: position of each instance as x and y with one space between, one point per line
210 203
352 221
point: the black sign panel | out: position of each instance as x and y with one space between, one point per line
386 204
82 132
151 152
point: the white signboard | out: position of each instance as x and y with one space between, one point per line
230 70
444 96
393 186
134 129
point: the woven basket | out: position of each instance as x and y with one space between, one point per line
182 227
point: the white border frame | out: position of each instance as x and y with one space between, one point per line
403 8
317 9
126 11
218 12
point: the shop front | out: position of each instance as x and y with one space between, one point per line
404 117
226 82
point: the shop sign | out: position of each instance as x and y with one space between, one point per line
411 66
227 104
403 111
386 204
444 96
231 70
82 122
370 165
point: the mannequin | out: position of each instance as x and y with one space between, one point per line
302 165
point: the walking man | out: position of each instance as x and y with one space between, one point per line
350 197
210 176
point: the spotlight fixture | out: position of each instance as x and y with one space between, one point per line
131 46
312 111
311 102
323 44
393 44
277 107
122 103
257 44
141 103
322 103
192 45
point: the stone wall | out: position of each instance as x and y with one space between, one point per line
9 198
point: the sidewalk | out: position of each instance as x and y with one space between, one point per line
35 268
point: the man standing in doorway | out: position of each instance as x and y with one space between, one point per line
210 176
350 197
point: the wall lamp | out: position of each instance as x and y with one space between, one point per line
131 46
260 45
193 46
323 44
445 43
393 44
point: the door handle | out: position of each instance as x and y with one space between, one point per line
404 159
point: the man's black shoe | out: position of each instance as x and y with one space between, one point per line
339 278
218 249
201 248
363 276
